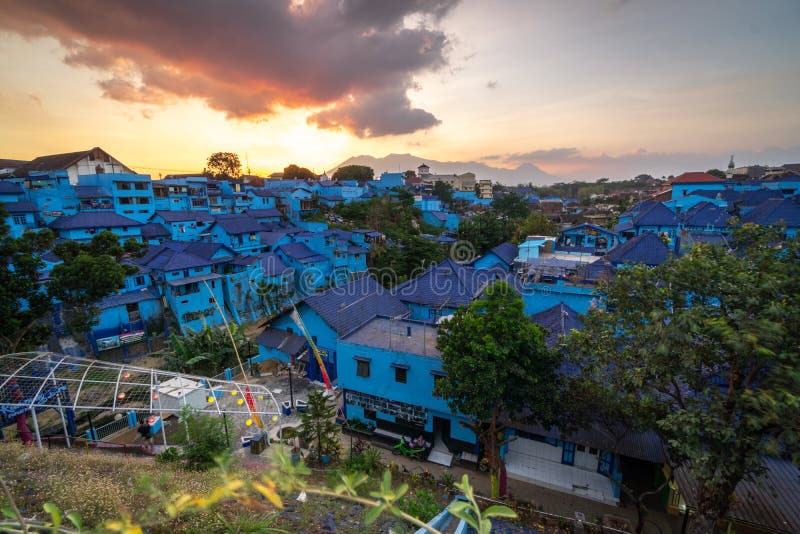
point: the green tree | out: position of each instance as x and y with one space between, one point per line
536 223
485 231
360 173
106 242
444 191
409 174
204 442
207 352
293 172
81 282
317 425
498 369
709 344
511 206
225 165
23 303
716 172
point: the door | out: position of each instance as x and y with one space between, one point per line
568 453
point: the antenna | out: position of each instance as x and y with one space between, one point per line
247 160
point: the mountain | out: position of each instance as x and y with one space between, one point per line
523 174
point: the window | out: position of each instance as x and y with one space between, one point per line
143 200
592 451
139 280
581 448
124 186
211 300
141 186
400 374
362 368
125 200
20 219
370 414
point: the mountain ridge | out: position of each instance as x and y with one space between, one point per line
524 173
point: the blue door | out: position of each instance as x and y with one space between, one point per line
605 463
568 453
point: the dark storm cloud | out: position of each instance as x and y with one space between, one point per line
355 58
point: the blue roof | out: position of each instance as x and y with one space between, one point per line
506 252
754 198
270 238
262 193
646 248
92 191
657 215
192 279
706 214
20 207
589 225
332 198
774 211
264 212
272 264
442 216
175 256
172 216
348 307
130 297
93 219
300 252
353 249
240 224
281 340
557 321
447 284
152 230
10 188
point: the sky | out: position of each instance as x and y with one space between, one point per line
581 89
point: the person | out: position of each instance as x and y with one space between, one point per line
418 443
146 432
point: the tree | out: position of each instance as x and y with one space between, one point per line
715 172
205 442
293 172
318 427
409 174
81 282
485 231
444 191
536 223
360 173
709 343
207 352
498 369
23 303
511 206
225 165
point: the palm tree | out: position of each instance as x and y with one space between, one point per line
207 352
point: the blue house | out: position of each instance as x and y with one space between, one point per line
265 215
11 192
332 314
312 270
239 232
501 256
706 217
776 211
442 219
83 226
51 192
587 239
273 283
658 219
184 225
387 371
131 194
155 234
262 199
646 248
389 180
22 216
186 192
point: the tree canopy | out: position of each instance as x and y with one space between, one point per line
360 173
444 191
224 165
485 231
293 172
498 368
511 206
207 352
709 344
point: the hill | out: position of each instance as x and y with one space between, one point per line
400 162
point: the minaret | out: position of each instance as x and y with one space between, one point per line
729 174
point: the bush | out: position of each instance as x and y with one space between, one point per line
206 440
421 505
368 462
169 456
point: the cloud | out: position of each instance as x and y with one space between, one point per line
352 61
35 99
536 156
492 84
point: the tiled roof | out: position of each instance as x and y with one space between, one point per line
153 230
20 207
92 191
128 298
695 177
205 250
300 252
506 252
264 212
557 321
332 198
171 216
285 342
589 225
347 307
10 188
657 215
447 284
706 214
774 211
754 198
175 256
646 248
272 264
241 224
262 193
92 220
191 279
270 238
442 216
768 501
56 162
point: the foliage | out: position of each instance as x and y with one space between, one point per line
443 191
368 461
536 223
82 282
224 165
168 456
360 173
469 511
707 344
485 231
716 172
317 425
207 352
498 367
422 505
249 523
293 172
22 303
205 444
134 248
511 207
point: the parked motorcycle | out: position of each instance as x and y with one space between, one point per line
411 448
